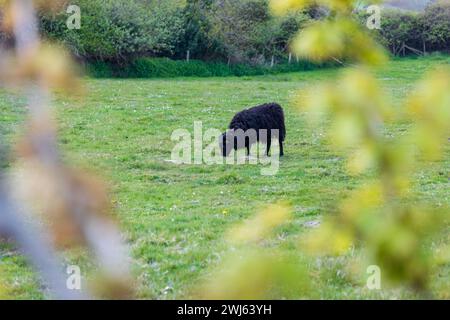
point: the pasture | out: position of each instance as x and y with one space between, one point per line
174 216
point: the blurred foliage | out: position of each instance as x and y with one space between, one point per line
382 215
4 292
253 270
261 226
333 39
257 274
381 218
429 105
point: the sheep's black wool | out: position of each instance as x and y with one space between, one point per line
268 116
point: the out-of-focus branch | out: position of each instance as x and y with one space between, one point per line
13 223
74 203
24 28
29 236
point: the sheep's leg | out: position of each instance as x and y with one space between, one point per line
269 143
247 145
281 148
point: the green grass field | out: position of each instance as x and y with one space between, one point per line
174 217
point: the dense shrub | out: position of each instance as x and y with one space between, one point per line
234 32
398 28
113 30
436 24
425 31
116 30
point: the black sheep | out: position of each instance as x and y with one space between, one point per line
266 117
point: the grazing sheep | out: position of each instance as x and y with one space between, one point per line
253 125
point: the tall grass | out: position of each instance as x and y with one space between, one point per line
167 68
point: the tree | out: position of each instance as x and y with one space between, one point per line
196 29
248 32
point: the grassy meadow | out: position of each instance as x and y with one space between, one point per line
174 217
